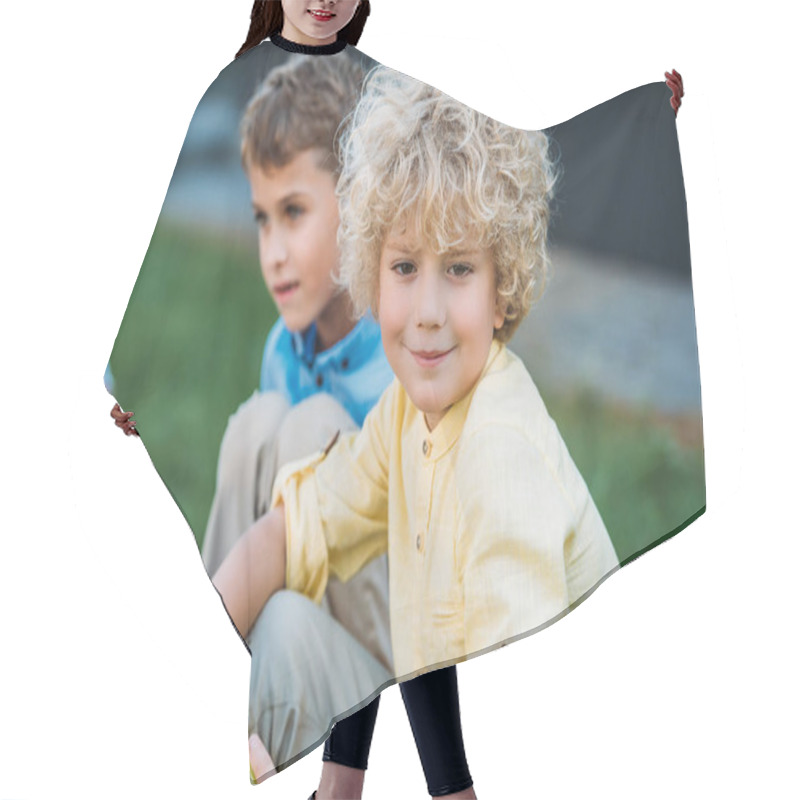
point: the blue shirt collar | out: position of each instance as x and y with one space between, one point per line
352 349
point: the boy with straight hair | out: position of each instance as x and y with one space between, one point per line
322 370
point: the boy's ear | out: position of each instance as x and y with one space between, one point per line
500 308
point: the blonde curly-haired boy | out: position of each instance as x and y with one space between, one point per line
458 473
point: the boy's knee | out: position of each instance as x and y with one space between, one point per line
309 426
286 616
254 424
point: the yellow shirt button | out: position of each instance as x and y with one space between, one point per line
419 542
426 448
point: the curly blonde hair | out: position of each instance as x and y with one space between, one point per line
412 156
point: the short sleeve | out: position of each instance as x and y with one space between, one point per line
514 520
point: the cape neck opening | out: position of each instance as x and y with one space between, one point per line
308 49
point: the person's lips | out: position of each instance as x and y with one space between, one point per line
283 291
321 16
430 358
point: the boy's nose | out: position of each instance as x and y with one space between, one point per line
273 251
430 304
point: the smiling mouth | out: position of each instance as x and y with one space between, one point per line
430 358
322 16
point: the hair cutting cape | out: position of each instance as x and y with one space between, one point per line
611 345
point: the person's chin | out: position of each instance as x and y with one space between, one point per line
426 400
295 323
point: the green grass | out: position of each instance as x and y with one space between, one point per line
188 352
644 469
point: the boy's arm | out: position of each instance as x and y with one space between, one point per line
510 550
336 505
254 570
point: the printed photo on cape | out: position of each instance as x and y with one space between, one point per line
610 347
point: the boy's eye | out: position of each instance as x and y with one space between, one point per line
404 268
293 211
260 217
460 270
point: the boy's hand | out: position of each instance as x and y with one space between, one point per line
675 83
124 420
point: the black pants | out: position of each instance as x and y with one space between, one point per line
431 702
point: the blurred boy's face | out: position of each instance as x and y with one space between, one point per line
298 217
438 314
316 22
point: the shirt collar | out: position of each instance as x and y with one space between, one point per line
353 349
447 432
304 344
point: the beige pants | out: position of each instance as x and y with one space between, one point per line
307 672
289 707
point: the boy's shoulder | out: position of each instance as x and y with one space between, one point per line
278 357
506 395
277 332
508 423
279 342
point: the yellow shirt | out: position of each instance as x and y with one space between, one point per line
490 528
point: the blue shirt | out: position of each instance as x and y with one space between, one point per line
354 370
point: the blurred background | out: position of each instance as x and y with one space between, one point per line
611 345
